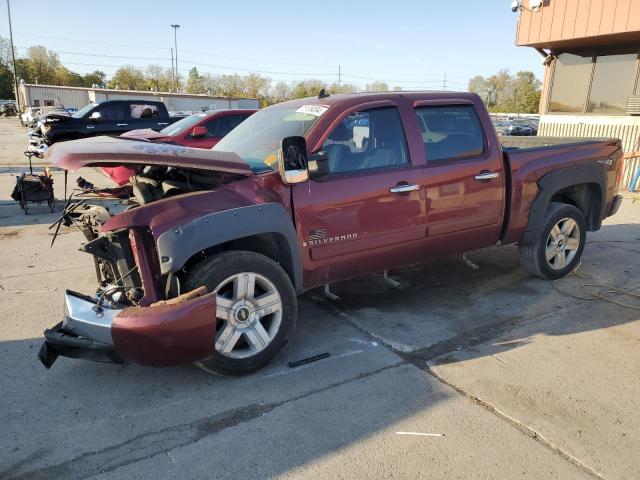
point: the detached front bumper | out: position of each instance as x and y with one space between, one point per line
181 330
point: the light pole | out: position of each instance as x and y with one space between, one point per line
175 27
13 58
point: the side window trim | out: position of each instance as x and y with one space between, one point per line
423 105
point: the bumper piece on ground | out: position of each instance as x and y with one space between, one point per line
59 342
172 332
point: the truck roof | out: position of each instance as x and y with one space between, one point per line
353 98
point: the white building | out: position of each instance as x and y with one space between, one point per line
78 97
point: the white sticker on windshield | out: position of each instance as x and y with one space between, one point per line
315 110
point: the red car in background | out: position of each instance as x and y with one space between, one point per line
200 130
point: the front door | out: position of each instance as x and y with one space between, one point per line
368 213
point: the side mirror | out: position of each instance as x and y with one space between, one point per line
95 117
292 160
199 132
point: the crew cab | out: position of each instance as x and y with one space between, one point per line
206 266
110 117
200 130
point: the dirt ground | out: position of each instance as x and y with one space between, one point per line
510 376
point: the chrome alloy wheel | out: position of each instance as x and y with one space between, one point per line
562 243
248 313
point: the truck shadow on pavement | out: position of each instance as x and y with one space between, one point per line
97 418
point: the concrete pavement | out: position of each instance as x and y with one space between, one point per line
521 380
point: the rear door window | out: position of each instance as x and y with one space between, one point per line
142 110
450 132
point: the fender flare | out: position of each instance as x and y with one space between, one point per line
177 245
552 182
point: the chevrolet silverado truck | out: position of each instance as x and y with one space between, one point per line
110 117
206 262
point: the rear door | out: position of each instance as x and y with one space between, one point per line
463 178
142 114
367 214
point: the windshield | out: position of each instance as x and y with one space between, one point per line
183 125
83 111
257 139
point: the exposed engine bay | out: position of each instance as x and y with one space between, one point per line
120 282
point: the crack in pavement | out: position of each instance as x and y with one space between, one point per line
419 359
151 444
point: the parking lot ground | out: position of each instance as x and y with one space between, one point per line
516 378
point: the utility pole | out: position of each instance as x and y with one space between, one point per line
173 70
13 58
175 27
338 78
444 83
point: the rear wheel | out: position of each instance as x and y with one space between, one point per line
559 245
256 309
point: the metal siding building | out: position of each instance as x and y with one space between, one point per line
78 97
592 50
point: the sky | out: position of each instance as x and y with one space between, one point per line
408 43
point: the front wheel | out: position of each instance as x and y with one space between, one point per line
559 245
256 309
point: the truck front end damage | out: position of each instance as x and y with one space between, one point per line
138 313
126 320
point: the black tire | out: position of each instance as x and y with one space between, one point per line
211 271
533 256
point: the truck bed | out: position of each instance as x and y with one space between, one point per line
529 159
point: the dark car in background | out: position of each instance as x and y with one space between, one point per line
200 130
111 117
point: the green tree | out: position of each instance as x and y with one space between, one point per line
307 88
334 88
128 78
377 86
97 77
195 83
6 72
526 93
503 92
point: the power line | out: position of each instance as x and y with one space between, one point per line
240 59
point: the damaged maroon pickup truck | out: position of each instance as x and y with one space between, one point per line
205 263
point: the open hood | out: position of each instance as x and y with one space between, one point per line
110 152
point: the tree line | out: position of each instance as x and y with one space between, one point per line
43 66
503 92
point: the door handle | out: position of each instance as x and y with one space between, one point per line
122 124
484 176
163 123
405 187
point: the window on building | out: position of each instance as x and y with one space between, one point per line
450 132
613 79
570 83
36 103
49 103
